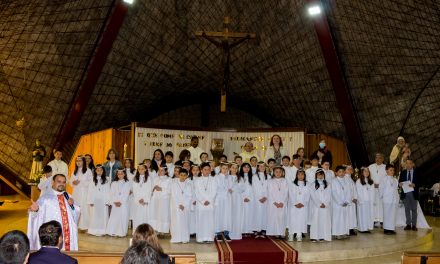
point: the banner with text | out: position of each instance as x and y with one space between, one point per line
147 140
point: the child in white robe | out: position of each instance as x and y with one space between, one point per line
98 198
142 186
299 197
194 174
352 218
223 203
130 171
238 188
259 187
253 161
119 191
169 156
329 174
45 183
320 196
248 198
366 196
278 192
205 188
80 180
341 198
160 201
180 207
310 172
390 197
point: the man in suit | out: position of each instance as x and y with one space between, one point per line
51 239
410 177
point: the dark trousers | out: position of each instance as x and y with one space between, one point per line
410 209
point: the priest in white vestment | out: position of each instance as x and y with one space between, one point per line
54 205
195 150
378 173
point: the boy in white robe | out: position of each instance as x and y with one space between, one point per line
390 197
321 221
223 203
352 218
160 201
299 197
206 190
80 180
169 156
366 193
341 198
45 183
98 198
277 200
142 186
378 173
259 188
329 174
180 207
119 192
310 172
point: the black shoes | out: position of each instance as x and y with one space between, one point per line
219 237
407 227
227 238
353 232
389 232
414 228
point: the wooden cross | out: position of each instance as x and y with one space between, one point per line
226 41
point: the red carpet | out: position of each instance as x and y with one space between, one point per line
257 251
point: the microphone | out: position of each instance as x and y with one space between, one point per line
66 195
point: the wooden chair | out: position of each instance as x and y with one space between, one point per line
115 258
414 257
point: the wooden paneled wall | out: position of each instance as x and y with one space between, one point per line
335 145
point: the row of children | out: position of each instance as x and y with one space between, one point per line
231 202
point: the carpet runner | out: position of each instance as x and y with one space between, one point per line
256 251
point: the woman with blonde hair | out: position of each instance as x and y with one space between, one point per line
145 232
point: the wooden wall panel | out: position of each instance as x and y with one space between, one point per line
335 145
122 137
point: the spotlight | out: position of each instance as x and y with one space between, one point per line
314 10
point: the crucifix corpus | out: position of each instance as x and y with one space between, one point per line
225 40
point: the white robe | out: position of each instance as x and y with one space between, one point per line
248 208
193 214
141 190
352 218
98 195
310 174
206 190
259 187
223 203
49 209
366 196
298 216
181 194
130 177
276 217
45 185
320 222
378 173
238 188
160 205
170 167
59 167
329 175
80 195
118 222
341 194
390 198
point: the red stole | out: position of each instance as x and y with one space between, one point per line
65 222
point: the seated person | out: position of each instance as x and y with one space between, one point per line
51 240
14 247
140 253
145 232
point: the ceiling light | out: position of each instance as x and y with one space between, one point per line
129 1
314 10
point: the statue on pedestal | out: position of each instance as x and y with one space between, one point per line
217 148
38 154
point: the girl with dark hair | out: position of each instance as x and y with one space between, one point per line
276 150
366 195
80 180
299 196
160 201
89 162
112 164
150 169
320 215
142 185
223 203
157 160
259 188
277 203
98 197
248 196
238 189
184 155
119 192
194 174
130 171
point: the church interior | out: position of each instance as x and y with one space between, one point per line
88 76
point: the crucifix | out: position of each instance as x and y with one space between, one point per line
225 40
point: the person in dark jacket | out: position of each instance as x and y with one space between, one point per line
51 239
409 177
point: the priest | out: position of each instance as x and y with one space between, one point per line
56 205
